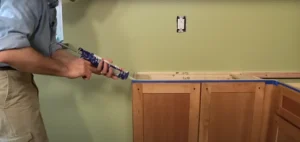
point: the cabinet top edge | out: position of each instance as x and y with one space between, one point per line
266 81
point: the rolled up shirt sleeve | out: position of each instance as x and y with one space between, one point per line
54 47
18 20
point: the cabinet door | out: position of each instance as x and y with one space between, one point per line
231 112
289 105
286 132
166 112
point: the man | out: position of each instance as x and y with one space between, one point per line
27 46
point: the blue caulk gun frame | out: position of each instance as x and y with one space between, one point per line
95 60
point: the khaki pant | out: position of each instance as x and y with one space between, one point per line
20 117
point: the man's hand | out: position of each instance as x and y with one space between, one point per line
104 69
78 68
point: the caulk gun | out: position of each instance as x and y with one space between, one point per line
95 60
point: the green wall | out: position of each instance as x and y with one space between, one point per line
141 36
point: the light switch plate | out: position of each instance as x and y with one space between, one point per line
181 24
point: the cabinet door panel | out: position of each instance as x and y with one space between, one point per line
289 105
286 132
231 112
166 117
166 112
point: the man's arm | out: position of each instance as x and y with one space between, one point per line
65 57
28 60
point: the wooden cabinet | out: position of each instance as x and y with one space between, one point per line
289 105
168 112
231 111
215 111
288 116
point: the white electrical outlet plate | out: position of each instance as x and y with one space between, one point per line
181 24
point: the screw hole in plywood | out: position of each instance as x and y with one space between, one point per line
186 78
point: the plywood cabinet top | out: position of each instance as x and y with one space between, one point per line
296 85
196 77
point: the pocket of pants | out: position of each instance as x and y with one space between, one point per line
24 138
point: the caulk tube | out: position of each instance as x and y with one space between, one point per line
95 60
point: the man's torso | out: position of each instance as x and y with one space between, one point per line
44 34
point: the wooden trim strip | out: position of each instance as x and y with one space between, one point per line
258 112
271 101
244 77
138 113
204 112
194 112
267 115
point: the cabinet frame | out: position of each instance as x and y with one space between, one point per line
192 89
269 95
236 87
289 104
